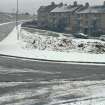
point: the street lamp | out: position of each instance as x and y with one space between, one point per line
17 12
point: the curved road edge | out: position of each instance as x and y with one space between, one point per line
49 61
52 61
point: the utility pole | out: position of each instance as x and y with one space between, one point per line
17 12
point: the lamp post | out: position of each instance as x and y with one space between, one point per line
17 12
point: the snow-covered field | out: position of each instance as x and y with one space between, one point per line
9 17
53 48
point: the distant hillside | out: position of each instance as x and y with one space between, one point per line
7 17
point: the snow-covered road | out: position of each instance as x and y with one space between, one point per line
53 91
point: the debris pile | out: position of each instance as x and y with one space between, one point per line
61 43
41 42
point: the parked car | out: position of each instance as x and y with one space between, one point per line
81 35
102 37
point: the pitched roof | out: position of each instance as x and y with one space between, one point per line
47 8
95 9
65 8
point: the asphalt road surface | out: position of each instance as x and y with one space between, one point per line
5 30
25 82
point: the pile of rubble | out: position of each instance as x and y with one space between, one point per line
92 47
46 42
63 44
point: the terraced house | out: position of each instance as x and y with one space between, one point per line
91 21
63 17
43 14
59 17
73 18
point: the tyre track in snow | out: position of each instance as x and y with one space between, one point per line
43 87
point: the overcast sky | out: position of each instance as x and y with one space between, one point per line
33 5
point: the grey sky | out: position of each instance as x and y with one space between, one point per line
33 5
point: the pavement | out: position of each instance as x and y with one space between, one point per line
5 29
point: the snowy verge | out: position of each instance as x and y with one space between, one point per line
13 47
42 40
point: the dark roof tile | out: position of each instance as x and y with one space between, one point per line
94 9
65 8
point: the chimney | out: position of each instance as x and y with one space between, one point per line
65 4
52 3
104 3
61 4
87 4
75 3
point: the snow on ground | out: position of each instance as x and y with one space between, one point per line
89 92
66 93
22 48
82 92
62 43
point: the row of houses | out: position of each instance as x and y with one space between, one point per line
73 18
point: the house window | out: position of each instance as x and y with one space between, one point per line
86 22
